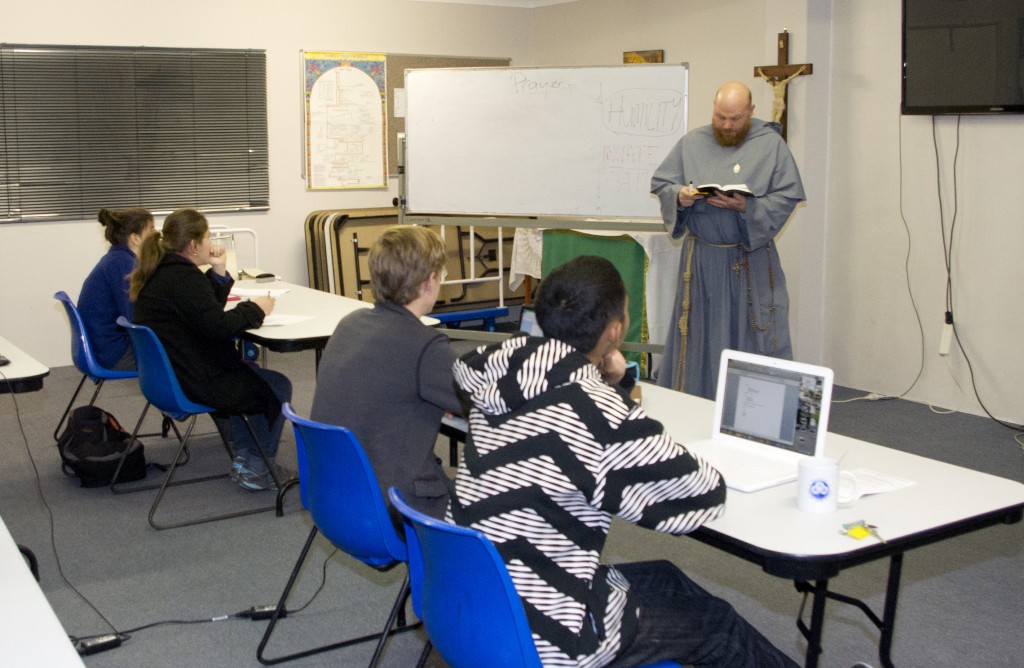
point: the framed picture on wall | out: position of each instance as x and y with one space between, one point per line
655 56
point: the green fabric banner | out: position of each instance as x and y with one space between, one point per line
628 257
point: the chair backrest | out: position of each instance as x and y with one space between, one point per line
341 493
156 375
462 591
81 348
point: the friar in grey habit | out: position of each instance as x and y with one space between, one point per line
731 291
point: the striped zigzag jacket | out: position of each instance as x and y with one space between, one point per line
554 452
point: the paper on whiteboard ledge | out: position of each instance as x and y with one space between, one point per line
280 319
872 482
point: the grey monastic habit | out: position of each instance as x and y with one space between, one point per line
736 292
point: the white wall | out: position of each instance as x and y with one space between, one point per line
36 260
873 340
844 251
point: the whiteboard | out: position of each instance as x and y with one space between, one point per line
578 141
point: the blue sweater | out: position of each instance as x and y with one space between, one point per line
104 297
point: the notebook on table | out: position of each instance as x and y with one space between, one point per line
769 413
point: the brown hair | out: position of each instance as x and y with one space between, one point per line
119 224
401 260
180 228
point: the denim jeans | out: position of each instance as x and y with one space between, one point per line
679 621
269 436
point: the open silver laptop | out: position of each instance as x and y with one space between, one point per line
769 413
528 322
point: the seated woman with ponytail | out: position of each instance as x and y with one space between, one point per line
104 295
185 308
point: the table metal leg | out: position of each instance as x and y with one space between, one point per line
885 624
892 593
813 633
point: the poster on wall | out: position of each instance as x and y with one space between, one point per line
345 105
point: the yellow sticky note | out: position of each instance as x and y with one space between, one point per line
859 532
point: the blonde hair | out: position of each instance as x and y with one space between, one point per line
401 260
180 228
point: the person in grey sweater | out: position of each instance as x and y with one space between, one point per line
387 377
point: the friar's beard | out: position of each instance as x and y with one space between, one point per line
734 138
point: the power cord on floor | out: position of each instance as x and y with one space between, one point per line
871 396
49 511
100 643
94 644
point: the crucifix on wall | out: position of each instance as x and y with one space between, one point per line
778 77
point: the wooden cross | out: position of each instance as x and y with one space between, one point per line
779 76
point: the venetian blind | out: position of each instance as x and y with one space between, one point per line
85 128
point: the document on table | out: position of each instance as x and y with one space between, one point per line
280 319
872 482
259 292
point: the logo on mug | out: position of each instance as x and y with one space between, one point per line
819 489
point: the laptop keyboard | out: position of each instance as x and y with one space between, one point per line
738 462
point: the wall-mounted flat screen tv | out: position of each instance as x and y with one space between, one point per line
963 56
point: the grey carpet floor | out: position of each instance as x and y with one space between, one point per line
962 602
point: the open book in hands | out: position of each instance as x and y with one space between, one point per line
710 189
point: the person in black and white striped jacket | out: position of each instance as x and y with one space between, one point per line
556 448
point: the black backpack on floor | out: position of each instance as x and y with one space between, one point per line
91 447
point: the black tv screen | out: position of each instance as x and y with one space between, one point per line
963 56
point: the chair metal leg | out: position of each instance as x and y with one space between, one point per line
124 456
281 607
99 384
167 483
182 458
282 485
403 596
282 490
381 638
425 654
114 485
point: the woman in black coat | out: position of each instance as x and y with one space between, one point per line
185 308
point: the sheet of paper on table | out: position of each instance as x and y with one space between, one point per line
872 482
259 292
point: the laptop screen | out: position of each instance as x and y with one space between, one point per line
771 405
528 322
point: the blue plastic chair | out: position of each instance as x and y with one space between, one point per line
161 388
84 358
338 487
462 591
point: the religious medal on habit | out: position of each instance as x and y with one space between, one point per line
736 168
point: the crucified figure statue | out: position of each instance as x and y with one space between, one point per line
779 91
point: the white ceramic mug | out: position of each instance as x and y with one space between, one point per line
818 485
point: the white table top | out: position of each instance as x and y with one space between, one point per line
768 520
23 373
326 309
30 633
